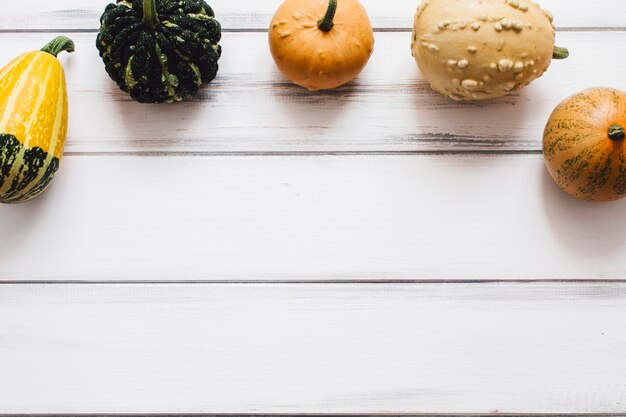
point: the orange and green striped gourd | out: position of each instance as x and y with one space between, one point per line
33 121
584 145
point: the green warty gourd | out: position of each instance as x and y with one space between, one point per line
160 50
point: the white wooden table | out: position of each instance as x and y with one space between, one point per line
262 249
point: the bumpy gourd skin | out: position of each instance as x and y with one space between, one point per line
165 64
482 49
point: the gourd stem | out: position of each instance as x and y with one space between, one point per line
150 15
560 53
58 44
326 23
616 132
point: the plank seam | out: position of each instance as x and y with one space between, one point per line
317 282
302 153
264 30
317 415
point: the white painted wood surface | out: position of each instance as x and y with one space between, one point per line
256 14
310 218
250 108
434 348
311 198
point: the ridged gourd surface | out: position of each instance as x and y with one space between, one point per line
164 64
583 160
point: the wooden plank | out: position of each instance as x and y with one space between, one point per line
251 108
256 15
310 218
487 348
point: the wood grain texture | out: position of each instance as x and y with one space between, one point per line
514 348
251 108
257 180
256 14
310 218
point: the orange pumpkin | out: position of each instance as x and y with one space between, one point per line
584 145
320 44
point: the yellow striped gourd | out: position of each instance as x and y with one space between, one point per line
33 121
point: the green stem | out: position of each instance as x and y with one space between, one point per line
326 23
616 132
150 15
58 44
560 53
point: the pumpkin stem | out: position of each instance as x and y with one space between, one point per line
616 132
58 44
560 53
150 14
326 23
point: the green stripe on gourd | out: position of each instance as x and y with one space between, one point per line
34 171
584 144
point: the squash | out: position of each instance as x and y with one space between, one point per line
320 44
470 50
160 50
584 145
33 125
